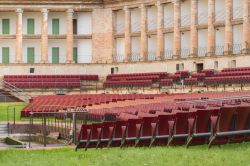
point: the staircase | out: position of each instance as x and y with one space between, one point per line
3 129
12 92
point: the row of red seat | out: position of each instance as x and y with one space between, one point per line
42 80
53 103
159 74
166 82
227 80
212 124
81 77
231 73
47 84
236 69
131 83
153 78
48 81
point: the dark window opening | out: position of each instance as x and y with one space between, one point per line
199 67
74 26
32 70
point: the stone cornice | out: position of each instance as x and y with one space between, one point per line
50 2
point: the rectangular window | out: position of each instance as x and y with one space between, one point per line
55 26
177 67
55 55
6 26
216 65
75 56
30 26
31 55
74 26
5 55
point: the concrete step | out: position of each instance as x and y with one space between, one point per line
3 132
3 129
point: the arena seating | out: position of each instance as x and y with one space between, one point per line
138 80
48 81
219 119
133 80
55 103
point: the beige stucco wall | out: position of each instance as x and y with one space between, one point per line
103 69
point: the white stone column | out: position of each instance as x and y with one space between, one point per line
246 27
70 39
160 35
19 36
177 24
127 37
228 27
193 28
144 37
211 30
44 36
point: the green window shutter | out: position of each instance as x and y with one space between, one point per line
30 55
5 55
30 26
6 26
55 55
55 26
75 56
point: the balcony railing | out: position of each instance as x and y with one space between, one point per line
135 56
185 20
219 50
119 58
168 54
152 55
202 18
237 48
237 12
168 22
185 52
202 51
220 15
136 27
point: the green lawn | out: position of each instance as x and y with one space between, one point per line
10 106
228 155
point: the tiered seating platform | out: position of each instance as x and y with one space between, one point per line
48 81
185 119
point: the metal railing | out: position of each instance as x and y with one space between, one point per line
151 55
118 58
219 50
135 56
185 52
168 54
202 51
237 48
16 92
66 123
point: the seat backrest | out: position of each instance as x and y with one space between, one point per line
226 114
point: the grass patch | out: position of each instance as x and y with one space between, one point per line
229 155
4 107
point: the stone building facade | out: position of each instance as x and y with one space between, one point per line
94 36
